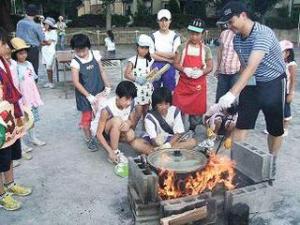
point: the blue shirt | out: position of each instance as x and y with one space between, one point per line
30 31
261 38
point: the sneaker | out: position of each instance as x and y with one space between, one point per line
37 142
26 148
9 203
18 190
51 85
92 145
286 132
122 157
47 85
16 163
26 155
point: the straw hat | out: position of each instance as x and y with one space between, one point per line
18 44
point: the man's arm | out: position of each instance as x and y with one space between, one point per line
253 63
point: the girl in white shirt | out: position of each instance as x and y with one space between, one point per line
110 42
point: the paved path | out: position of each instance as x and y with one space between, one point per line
72 186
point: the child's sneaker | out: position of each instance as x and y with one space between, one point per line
51 85
9 203
92 145
37 141
286 133
26 155
16 163
121 156
26 148
18 190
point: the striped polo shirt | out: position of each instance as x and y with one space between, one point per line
261 38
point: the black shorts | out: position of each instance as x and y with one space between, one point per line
8 154
265 96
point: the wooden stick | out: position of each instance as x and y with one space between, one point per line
186 217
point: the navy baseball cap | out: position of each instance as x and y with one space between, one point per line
231 9
31 10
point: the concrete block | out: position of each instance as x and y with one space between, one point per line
252 162
258 197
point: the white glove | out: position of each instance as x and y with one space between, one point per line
188 71
165 145
226 100
91 98
107 91
197 73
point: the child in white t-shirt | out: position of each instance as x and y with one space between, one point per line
137 69
48 51
110 42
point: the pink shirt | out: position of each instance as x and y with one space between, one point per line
230 63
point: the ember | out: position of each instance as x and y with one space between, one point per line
219 170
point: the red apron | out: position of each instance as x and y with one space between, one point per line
190 94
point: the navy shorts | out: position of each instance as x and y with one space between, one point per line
265 96
8 154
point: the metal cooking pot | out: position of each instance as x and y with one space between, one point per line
177 160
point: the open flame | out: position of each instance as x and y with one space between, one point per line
219 170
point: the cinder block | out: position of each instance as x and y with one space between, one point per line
258 197
144 180
252 162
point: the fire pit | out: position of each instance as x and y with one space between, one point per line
177 186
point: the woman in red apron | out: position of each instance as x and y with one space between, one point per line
194 62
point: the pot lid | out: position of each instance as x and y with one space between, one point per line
177 160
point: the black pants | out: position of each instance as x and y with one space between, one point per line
33 57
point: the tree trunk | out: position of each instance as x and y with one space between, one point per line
62 10
5 19
108 16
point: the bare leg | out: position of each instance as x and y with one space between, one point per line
138 114
9 175
274 144
113 129
240 135
1 185
138 144
50 76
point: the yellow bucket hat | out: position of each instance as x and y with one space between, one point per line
18 44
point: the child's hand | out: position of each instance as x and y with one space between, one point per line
107 90
113 157
140 80
91 98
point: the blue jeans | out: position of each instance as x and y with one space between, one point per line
225 82
61 41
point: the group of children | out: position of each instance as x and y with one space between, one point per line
19 89
163 110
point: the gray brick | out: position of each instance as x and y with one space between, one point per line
252 162
258 197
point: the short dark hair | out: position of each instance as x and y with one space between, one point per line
161 95
291 56
80 41
126 89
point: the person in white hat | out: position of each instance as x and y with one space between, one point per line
137 69
291 72
165 44
48 51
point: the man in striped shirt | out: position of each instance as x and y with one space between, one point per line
261 84
228 63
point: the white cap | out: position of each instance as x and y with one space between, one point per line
164 13
144 40
285 44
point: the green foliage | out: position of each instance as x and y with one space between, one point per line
173 6
91 20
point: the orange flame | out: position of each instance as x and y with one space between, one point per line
219 170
